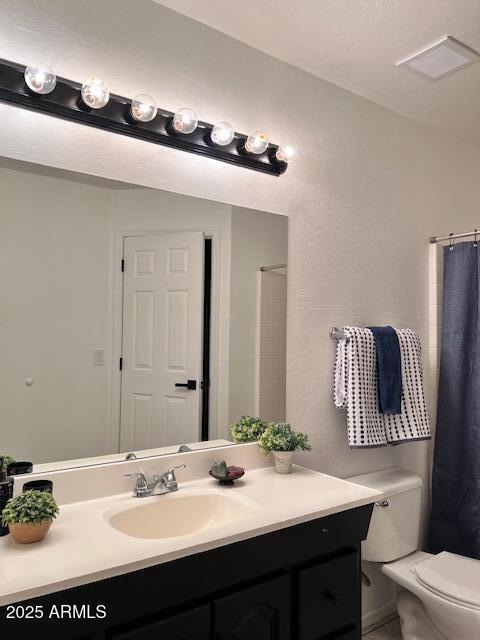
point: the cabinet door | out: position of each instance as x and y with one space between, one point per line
191 625
329 597
261 612
353 634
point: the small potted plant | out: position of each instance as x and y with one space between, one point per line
282 441
29 515
247 429
7 460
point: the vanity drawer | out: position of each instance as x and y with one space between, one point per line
191 625
328 596
261 612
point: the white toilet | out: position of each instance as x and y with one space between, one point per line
439 597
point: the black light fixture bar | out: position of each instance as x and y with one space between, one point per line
65 102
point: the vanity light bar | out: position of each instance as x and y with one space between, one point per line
70 100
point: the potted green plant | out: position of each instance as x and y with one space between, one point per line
29 515
280 439
7 460
247 429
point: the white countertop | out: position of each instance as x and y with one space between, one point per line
82 546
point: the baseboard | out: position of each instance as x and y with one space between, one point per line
374 619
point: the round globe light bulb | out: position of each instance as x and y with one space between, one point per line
144 108
40 78
95 93
285 153
257 142
185 120
222 133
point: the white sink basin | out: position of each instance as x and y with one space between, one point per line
180 515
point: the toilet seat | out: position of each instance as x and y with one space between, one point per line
453 577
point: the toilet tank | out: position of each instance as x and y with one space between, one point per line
395 525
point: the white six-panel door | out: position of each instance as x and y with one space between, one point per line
162 340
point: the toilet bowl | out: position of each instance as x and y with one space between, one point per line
439 595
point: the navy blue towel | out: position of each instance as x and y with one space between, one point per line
389 369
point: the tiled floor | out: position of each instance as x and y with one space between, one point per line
389 631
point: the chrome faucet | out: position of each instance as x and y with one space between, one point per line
166 483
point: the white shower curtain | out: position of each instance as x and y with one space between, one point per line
271 346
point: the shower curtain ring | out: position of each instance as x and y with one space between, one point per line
475 243
452 240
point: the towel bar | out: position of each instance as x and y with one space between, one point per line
337 334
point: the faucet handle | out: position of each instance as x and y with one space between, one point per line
169 476
172 469
134 475
141 485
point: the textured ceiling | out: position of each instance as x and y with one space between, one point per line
355 44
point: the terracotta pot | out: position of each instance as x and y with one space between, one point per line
283 461
28 532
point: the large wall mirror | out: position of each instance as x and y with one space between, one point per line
133 320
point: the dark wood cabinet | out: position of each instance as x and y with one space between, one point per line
189 625
350 634
261 612
298 583
327 596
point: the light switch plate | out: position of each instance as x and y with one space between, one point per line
98 357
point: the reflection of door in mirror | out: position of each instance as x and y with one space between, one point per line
162 340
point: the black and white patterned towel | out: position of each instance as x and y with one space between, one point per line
356 389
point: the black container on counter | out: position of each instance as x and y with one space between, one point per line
39 485
6 492
19 468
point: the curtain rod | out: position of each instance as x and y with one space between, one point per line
273 266
453 236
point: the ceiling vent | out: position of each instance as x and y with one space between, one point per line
440 58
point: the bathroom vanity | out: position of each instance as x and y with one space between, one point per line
299 582
274 558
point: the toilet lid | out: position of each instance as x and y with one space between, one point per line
453 576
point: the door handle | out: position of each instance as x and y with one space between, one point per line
191 385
